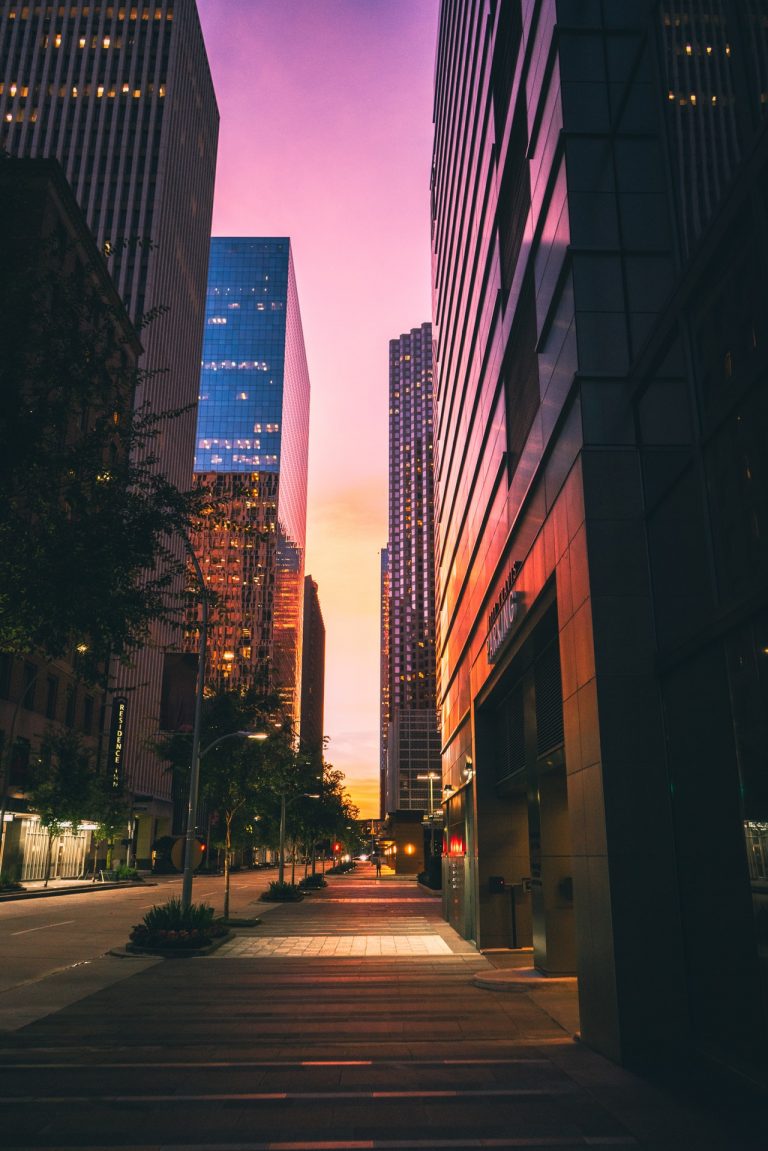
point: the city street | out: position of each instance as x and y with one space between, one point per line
351 1020
39 936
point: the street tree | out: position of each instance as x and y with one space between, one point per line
86 518
232 770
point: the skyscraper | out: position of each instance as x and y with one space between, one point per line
312 727
599 253
252 443
413 739
383 680
121 95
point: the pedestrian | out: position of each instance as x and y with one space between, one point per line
377 861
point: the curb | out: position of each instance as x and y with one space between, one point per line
47 892
133 951
524 979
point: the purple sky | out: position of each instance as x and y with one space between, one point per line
326 137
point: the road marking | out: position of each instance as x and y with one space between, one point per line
262 1064
292 1096
509 1143
64 923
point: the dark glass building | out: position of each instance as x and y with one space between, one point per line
599 261
412 740
312 671
121 95
252 444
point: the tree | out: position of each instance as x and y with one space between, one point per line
60 784
111 811
232 771
86 519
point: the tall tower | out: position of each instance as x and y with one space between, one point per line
252 445
384 682
312 671
413 742
121 95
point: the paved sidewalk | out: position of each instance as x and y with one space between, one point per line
307 1033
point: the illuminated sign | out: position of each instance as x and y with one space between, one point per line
117 740
503 616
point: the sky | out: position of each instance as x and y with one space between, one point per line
326 137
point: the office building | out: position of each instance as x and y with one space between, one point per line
413 741
251 451
383 679
57 306
121 95
599 253
312 728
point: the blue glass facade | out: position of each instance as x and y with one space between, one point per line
253 423
241 381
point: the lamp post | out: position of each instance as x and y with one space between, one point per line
431 776
194 782
284 804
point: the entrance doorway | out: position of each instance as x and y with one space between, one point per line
523 829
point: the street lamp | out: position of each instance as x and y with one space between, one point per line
431 776
284 804
194 783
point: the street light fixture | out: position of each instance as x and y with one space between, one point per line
431 776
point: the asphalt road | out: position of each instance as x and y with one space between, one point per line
40 936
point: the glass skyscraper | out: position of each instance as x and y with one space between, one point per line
251 451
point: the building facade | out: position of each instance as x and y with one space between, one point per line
413 741
599 254
122 96
252 445
312 728
52 273
383 679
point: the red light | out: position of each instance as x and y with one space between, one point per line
337 847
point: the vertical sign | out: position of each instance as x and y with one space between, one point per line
117 741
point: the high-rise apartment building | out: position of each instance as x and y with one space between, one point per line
599 252
252 444
121 95
383 680
312 727
413 740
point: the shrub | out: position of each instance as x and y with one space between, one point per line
340 868
123 872
170 925
312 883
284 892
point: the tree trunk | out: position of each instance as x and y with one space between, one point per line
50 858
227 847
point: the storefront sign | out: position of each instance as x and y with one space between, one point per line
117 740
503 616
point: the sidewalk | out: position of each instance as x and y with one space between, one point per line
352 1020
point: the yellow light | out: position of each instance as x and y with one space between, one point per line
409 849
